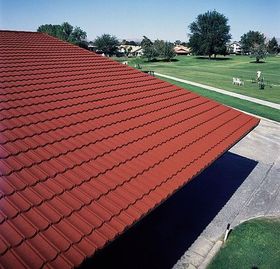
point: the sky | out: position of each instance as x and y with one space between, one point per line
131 19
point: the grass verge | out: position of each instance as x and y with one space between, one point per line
253 244
257 109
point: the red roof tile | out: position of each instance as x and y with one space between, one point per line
89 146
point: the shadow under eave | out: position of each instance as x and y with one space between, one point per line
163 236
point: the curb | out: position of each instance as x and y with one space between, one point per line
212 253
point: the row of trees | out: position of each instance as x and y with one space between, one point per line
75 35
66 32
253 43
106 43
159 48
209 35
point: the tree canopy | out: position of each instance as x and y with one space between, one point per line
148 49
250 40
253 43
272 46
209 34
65 32
107 44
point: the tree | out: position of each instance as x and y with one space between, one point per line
253 43
150 53
272 46
259 52
251 39
209 34
66 32
165 50
107 44
146 42
53 30
148 49
168 51
159 48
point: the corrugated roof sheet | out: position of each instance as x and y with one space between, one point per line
89 146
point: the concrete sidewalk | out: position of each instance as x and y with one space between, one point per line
258 195
237 95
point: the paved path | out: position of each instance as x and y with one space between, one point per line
258 195
237 95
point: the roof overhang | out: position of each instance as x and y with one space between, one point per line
89 146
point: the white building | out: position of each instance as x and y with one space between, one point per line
131 51
235 48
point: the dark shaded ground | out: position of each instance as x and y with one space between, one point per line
218 58
162 237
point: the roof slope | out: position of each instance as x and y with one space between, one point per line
89 146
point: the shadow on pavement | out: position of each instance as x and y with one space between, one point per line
162 237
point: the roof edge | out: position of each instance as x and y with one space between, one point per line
19 31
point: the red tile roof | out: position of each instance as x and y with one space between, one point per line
89 146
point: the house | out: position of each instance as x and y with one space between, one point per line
131 50
90 146
234 48
181 50
91 46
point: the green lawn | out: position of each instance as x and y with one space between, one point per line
253 244
219 73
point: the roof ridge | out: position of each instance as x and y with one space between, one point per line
19 31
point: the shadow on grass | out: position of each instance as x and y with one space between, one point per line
259 62
160 61
214 59
162 237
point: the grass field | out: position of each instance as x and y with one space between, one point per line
219 73
253 244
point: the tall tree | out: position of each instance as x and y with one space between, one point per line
66 32
150 53
209 34
148 49
159 47
272 46
168 51
146 42
253 43
249 40
107 44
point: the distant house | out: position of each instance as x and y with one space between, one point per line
234 48
92 47
131 50
181 50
